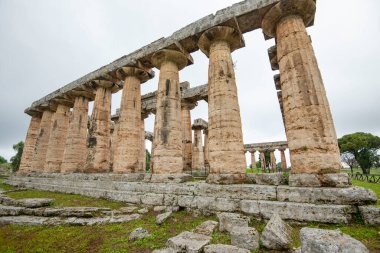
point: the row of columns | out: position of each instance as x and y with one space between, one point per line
59 142
272 163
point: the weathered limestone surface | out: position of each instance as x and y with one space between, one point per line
205 148
283 160
188 242
314 240
75 153
99 132
226 152
57 140
187 135
339 180
206 228
138 233
42 142
223 248
370 214
262 160
167 143
30 142
333 205
142 158
273 163
277 234
127 157
245 237
253 159
161 218
309 126
227 221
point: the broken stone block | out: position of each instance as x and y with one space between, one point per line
314 240
188 242
229 220
206 228
245 237
277 234
159 208
370 214
143 210
139 233
223 248
162 217
128 209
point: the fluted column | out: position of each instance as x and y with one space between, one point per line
253 159
187 135
42 142
205 147
273 161
74 157
57 140
283 160
167 143
30 143
309 125
98 142
226 151
127 157
262 160
198 155
143 147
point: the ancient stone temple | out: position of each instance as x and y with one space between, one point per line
69 151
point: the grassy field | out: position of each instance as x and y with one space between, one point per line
114 237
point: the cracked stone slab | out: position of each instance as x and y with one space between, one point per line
188 242
277 234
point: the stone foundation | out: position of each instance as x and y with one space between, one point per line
308 204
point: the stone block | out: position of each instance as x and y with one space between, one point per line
170 178
185 200
223 248
269 179
245 237
229 220
206 228
159 208
370 214
315 240
170 200
152 199
324 195
225 179
304 180
339 180
250 207
138 233
23 220
277 235
161 218
11 210
188 242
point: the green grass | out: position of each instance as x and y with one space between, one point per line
375 171
4 186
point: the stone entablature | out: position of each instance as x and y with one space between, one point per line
311 204
266 146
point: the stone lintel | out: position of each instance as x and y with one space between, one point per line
246 15
199 124
266 146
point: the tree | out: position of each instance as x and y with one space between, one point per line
3 160
349 159
363 146
15 160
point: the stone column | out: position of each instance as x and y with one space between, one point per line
198 155
253 159
187 135
143 148
273 161
205 148
308 122
42 142
128 151
226 151
74 157
98 142
57 140
283 160
262 160
30 143
167 143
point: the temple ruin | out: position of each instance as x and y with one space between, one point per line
104 155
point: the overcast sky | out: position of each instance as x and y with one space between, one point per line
46 44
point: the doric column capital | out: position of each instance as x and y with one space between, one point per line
167 55
142 74
304 8
186 105
105 84
220 33
252 151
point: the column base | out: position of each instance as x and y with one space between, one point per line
226 178
339 180
171 178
